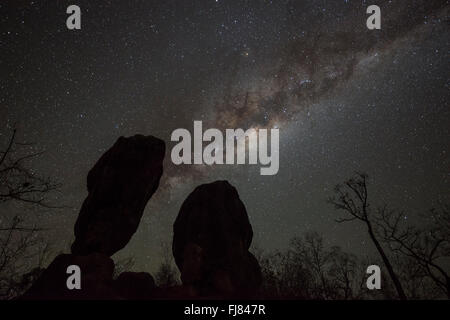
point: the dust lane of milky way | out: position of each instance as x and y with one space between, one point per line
345 99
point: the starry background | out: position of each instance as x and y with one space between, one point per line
345 99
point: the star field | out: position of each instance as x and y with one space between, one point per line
345 99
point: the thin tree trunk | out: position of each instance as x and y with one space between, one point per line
388 265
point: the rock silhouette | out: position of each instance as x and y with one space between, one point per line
96 281
119 185
135 285
212 235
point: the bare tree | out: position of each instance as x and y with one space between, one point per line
310 270
428 247
311 250
285 276
413 276
352 198
343 273
17 181
16 242
20 242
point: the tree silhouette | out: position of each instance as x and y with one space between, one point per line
344 274
352 198
428 246
17 181
18 240
310 270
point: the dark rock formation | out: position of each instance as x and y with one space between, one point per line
135 285
119 185
96 279
212 235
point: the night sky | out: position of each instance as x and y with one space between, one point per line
345 99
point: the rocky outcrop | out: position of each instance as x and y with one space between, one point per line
135 285
119 185
96 279
212 235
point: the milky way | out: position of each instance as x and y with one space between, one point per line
345 99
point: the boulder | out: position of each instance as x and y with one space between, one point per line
119 187
135 285
212 235
96 279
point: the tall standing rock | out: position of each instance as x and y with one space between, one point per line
212 235
119 186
